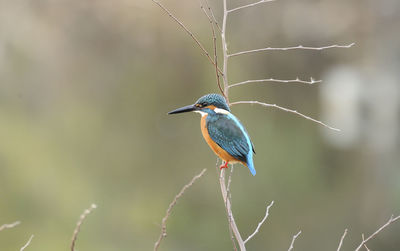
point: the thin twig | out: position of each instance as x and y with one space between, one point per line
212 15
297 80
214 44
391 220
299 47
293 240
11 225
260 223
365 245
27 244
170 207
341 240
79 223
286 110
250 5
200 45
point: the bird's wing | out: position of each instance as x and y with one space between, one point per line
226 131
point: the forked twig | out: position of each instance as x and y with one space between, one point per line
260 223
286 110
199 44
79 223
365 245
249 5
391 220
212 15
230 214
27 244
297 80
11 225
299 47
209 16
293 240
341 240
163 233
228 208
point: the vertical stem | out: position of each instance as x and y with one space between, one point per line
227 202
225 53
224 192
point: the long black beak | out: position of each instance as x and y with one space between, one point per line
188 108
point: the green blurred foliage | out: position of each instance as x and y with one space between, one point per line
84 91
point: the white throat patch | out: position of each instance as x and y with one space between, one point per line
222 111
202 113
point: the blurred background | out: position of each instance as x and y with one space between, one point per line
85 87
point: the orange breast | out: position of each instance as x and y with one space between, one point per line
224 155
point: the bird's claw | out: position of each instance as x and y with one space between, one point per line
223 166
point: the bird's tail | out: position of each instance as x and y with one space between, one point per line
250 165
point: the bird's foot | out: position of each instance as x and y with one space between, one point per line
224 165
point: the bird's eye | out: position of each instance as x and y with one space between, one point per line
204 104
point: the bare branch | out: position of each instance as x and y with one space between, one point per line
293 240
213 16
286 110
228 208
229 214
250 5
341 240
214 44
27 244
228 186
297 80
299 47
391 220
11 225
170 207
187 31
365 245
260 223
225 52
79 223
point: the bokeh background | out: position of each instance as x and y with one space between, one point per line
84 91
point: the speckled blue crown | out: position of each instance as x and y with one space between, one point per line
215 100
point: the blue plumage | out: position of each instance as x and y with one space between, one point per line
227 131
223 132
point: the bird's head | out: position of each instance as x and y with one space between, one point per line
205 104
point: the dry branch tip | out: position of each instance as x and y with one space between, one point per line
390 221
79 223
260 223
163 233
10 225
341 240
199 44
27 243
249 5
286 110
297 80
299 47
293 240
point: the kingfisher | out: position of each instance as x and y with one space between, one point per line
222 131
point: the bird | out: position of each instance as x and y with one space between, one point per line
222 131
